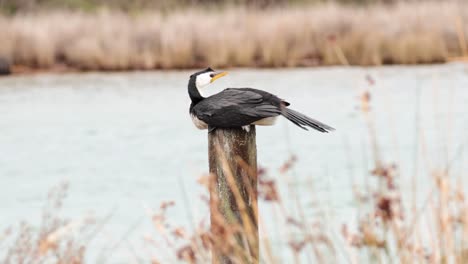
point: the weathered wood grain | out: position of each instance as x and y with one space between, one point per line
233 193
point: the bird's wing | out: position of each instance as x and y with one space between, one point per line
244 102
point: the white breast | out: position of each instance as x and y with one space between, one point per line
198 123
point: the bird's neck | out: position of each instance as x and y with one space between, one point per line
194 94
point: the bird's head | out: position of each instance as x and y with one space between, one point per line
205 77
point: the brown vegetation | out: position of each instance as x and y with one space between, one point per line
326 34
55 240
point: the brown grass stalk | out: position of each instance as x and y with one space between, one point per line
250 231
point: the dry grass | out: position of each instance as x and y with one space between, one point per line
55 240
387 231
326 34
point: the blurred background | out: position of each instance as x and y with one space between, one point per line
148 34
100 162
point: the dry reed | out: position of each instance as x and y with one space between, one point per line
55 240
325 34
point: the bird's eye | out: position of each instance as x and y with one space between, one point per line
212 75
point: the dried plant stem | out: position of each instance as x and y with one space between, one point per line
461 36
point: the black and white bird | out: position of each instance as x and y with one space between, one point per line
240 107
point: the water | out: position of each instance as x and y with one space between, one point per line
125 142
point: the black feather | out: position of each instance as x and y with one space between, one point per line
236 107
302 121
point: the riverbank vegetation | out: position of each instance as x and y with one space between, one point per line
15 6
297 36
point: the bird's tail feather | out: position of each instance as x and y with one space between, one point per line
304 121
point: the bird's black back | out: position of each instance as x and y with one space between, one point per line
236 107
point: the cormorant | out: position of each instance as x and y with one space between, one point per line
240 107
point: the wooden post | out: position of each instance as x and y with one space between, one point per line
233 195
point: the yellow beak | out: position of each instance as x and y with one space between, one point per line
217 76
